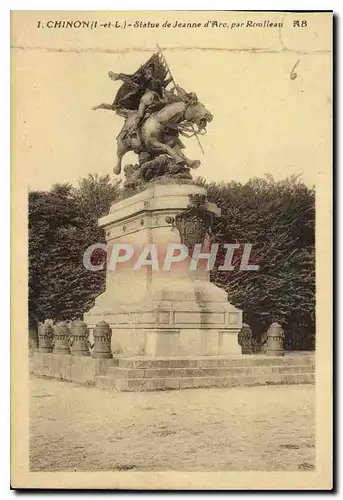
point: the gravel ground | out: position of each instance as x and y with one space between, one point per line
77 428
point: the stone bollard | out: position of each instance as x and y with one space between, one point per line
45 337
275 336
245 339
79 332
102 341
61 334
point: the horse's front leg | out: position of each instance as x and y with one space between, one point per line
152 134
154 144
190 163
122 148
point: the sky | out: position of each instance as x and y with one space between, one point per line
264 121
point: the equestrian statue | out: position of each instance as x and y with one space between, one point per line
155 118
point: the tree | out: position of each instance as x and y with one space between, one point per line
62 225
278 219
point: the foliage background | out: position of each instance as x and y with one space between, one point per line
276 217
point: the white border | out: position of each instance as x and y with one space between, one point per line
5 169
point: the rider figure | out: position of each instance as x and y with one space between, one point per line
140 80
149 90
151 101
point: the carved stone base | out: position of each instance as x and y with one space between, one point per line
162 313
178 331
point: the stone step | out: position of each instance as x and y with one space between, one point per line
213 361
218 371
154 384
105 382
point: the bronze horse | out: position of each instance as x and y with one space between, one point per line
159 133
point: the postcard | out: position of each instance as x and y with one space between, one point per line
171 250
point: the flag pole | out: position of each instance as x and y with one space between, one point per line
176 88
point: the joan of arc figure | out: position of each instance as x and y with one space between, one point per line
155 116
134 86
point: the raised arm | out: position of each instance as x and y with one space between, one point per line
109 107
124 78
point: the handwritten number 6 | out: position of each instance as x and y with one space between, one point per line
293 74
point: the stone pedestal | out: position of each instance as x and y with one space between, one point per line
45 338
275 338
153 313
79 333
102 341
61 334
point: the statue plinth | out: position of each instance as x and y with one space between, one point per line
176 312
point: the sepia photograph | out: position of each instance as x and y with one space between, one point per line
171 250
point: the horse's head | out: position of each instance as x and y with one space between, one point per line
195 111
198 114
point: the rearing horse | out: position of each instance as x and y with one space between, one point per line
159 133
